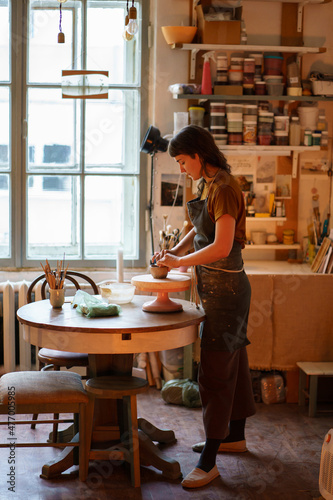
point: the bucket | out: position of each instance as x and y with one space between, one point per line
308 116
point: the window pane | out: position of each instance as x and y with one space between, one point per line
53 206
112 133
106 47
47 57
4 129
111 216
5 217
52 130
4 41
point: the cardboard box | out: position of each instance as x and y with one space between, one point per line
218 32
228 90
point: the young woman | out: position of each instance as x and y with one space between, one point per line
218 236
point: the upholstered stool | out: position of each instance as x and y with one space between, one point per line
126 389
46 392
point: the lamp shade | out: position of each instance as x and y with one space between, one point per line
153 141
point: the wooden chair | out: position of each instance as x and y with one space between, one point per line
123 388
45 392
52 359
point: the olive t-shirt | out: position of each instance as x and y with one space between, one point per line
226 197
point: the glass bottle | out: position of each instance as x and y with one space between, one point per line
295 132
322 122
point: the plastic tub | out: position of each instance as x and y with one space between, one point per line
235 76
308 116
217 120
221 139
258 237
217 107
235 125
273 64
250 109
260 87
117 293
250 132
235 138
248 89
275 88
248 78
196 115
281 138
234 108
249 65
273 78
281 123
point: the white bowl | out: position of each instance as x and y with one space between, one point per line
117 293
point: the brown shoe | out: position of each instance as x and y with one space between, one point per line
197 477
234 447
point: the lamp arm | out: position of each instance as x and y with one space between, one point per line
150 206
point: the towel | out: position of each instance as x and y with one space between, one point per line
92 306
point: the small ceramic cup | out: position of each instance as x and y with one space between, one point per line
57 297
158 272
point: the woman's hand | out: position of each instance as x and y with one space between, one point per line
167 259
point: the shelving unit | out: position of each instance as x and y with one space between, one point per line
195 47
266 219
277 246
217 97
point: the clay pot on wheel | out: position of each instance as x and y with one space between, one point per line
158 272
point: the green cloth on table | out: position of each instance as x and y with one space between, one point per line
92 306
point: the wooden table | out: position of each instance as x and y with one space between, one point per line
110 343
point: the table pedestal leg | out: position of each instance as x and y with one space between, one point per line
63 462
151 455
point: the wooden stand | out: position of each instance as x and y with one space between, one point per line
162 303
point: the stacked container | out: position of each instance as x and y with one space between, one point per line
248 76
281 130
222 70
250 112
265 127
235 123
273 74
218 122
235 73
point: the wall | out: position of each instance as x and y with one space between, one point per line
263 20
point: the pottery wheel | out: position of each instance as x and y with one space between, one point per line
162 303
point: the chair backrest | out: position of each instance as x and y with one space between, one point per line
70 276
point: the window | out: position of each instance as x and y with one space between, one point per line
69 168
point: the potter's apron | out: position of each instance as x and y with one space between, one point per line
223 288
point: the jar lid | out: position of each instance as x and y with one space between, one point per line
288 232
279 117
316 134
308 132
324 132
294 118
200 108
281 133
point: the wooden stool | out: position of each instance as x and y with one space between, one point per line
313 370
45 392
125 388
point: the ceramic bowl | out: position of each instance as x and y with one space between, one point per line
178 34
117 293
158 272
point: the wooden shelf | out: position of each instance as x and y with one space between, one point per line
266 219
216 97
283 150
278 246
249 48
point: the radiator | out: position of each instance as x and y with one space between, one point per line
14 347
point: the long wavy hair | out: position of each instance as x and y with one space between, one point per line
193 140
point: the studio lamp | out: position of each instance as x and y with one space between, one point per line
132 26
151 144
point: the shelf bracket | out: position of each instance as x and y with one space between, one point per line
295 164
193 63
300 7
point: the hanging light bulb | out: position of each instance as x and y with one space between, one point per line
132 27
126 34
61 35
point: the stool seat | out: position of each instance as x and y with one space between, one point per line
62 358
32 388
113 387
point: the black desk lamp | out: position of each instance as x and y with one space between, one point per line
152 143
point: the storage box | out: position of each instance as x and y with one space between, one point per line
228 90
218 32
322 87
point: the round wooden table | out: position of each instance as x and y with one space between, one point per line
110 343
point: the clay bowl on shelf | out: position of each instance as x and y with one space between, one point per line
178 34
158 272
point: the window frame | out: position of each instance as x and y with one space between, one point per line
18 87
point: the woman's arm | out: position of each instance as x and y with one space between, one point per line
220 248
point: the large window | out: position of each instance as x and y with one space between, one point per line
69 168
